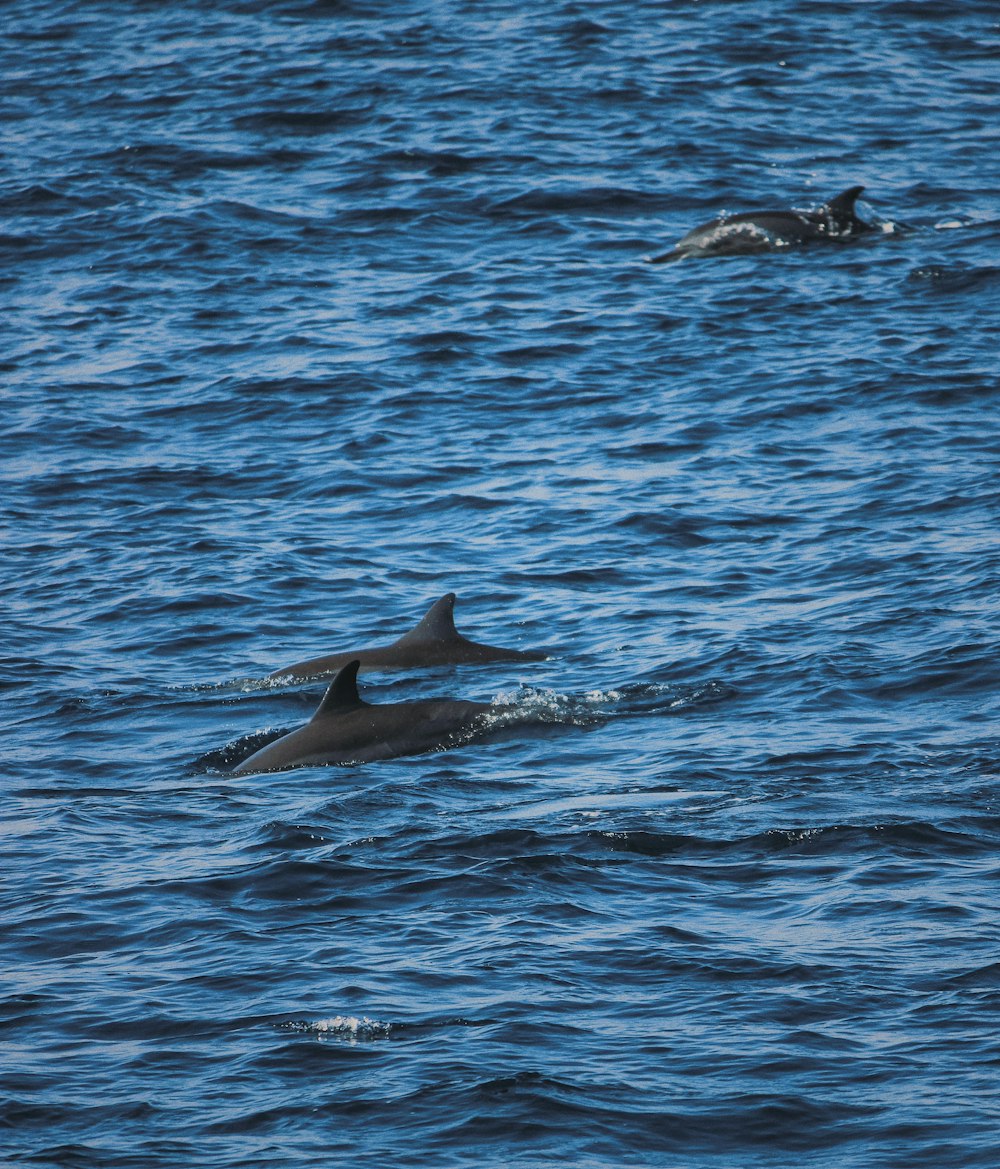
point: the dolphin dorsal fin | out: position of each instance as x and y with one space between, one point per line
842 206
342 693
437 624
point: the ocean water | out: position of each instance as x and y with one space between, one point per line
315 311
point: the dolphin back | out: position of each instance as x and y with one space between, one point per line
748 232
433 641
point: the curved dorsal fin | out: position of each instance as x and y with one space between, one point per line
342 692
842 206
437 624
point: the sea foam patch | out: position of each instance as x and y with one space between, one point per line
349 1027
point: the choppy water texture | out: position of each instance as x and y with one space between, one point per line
314 312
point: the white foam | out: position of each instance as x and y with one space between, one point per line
351 1027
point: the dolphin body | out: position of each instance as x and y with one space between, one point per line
433 641
766 231
346 729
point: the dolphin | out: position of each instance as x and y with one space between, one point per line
433 641
768 231
346 729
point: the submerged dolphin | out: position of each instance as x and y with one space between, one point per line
433 641
768 231
345 729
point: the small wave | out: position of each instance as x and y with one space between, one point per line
287 837
304 121
437 163
348 1027
905 838
670 527
604 802
610 201
647 697
954 278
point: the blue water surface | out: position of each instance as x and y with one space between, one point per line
315 311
